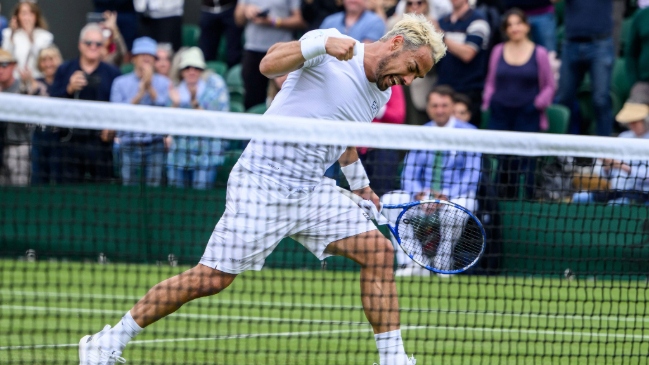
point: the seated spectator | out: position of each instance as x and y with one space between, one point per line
629 180
217 21
588 47
447 175
193 161
467 37
381 165
127 18
164 55
519 87
86 152
161 20
266 22
47 149
15 138
315 11
356 21
462 107
114 52
25 37
637 49
141 87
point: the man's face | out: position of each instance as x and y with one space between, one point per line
439 108
638 127
7 72
400 67
459 3
91 45
354 6
143 60
461 112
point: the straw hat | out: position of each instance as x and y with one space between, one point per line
6 56
632 112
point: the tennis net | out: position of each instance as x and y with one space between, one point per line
88 225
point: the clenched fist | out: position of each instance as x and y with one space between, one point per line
341 48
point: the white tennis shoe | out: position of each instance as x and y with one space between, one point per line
411 361
90 353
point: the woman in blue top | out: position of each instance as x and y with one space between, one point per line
193 161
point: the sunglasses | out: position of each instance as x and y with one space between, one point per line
411 3
192 68
6 64
91 43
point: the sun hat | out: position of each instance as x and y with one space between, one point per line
192 57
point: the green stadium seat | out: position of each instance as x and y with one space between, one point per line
558 119
484 123
234 80
257 109
191 34
624 33
237 107
126 68
236 97
620 84
560 11
218 67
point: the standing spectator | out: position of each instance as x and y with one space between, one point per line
26 36
193 161
85 151
114 52
436 9
357 21
464 67
15 138
520 86
141 151
383 8
47 150
315 11
161 20
462 107
164 55
540 15
3 24
637 48
266 22
126 17
447 175
217 19
588 47
381 165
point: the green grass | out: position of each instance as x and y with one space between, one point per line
314 317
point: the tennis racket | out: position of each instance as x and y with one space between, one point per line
439 235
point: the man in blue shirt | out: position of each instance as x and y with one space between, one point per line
588 47
464 67
446 175
357 22
143 87
86 152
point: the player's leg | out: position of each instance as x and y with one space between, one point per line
375 254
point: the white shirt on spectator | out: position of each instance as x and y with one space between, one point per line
24 49
159 8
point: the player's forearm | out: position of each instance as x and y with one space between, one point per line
348 157
281 59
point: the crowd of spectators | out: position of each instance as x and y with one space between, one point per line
508 61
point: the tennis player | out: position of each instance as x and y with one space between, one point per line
277 190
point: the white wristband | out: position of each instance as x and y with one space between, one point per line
356 175
313 47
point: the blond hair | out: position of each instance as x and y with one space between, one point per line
49 51
417 32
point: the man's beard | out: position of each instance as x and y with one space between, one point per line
380 70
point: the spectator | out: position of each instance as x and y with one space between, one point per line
436 9
161 20
127 18
15 138
382 8
467 37
217 20
637 48
540 15
519 87
382 165
3 24
629 180
588 47
315 11
357 22
193 161
141 87
164 55
114 51
462 107
266 23
47 149
86 152
447 175
25 37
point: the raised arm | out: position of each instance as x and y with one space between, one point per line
283 58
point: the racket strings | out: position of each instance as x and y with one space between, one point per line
440 236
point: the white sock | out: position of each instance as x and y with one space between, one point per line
123 332
390 346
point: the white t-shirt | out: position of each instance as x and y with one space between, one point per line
324 88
